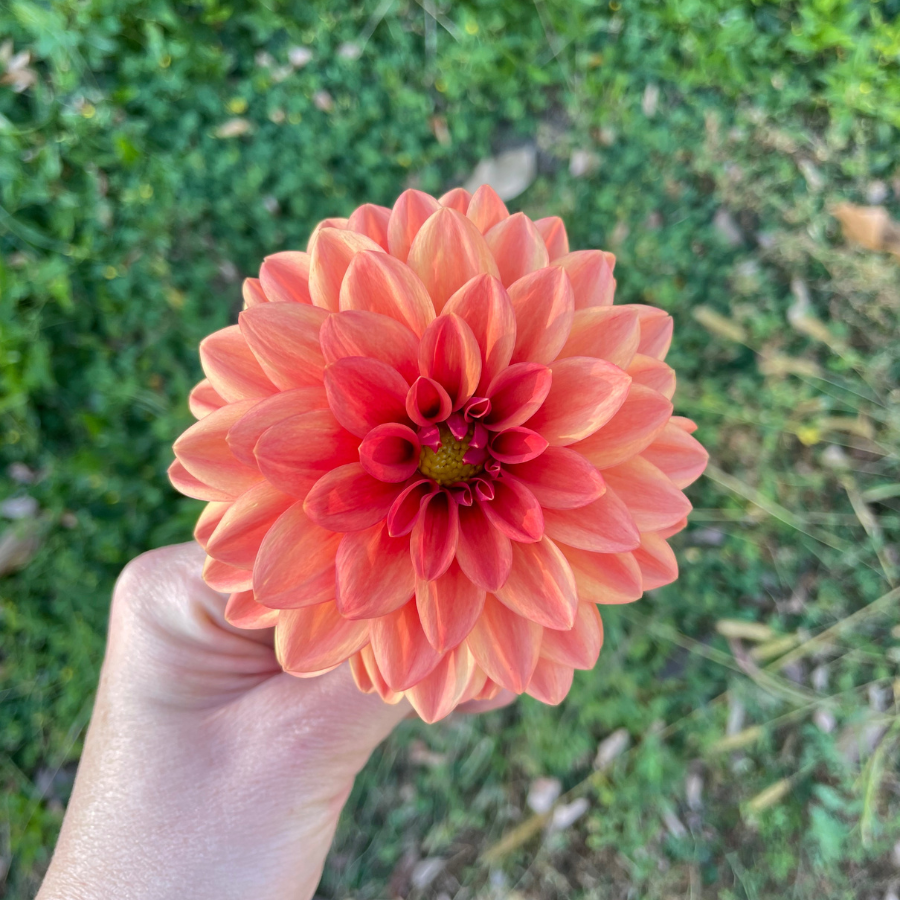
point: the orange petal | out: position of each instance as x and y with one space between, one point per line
657 561
456 198
372 221
540 586
482 302
379 283
252 292
448 607
284 337
401 649
203 399
332 252
638 421
606 332
231 367
584 395
550 682
608 578
227 579
447 252
243 611
204 452
578 647
439 692
544 307
191 486
209 519
605 525
653 501
316 638
507 646
237 538
591 272
285 277
652 373
518 247
295 564
410 212
677 454
486 208
553 230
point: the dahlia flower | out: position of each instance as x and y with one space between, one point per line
432 446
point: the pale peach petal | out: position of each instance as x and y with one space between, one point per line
447 252
517 246
191 486
584 395
657 561
379 283
372 221
401 649
604 525
638 421
439 692
591 273
448 607
544 306
285 277
333 222
360 674
608 578
203 399
232 369
606 332
243 611
486 308
677 454
411 211
653 501
252 292
505 645
295 566
314 638
553 230
579 647
227 579
331 254
456 198
652 373
209 519
203 450
365 661
362 333
540 586
684 424
450 355
284 337
666 533
550 682
238 536
486 209
656 330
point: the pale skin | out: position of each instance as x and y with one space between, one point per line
207 772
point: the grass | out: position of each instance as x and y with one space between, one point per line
760 763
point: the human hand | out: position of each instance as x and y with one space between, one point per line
207 771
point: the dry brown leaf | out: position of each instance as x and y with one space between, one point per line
869 226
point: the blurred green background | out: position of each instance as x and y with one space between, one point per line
152 152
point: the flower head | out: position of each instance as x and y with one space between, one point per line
432 446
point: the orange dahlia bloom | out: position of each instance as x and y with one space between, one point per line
432 446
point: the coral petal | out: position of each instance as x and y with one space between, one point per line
227 579
486 209
285 277
361 333
560 478
447 252
678 455
284 337
514 510
349 499
364 393
372 221
401 648
203 399
456 198
483 552
541 586
448 607
635 425
427 402
608 578
333 222
506 645
579 647
518 247
242 611
516 394
232 369
252 292
191 486
378 283
550 682
295 453
439 692
374 574
331 254
404 510
657 562
390 452
517 445
656 330
584 396
653 501
411 211
314 638
209 520
544 307
553 230
450 355
605 332
434 536
604 525
652 373
591 273
295 565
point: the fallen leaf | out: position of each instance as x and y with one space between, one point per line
869 226
610 748
543 794
565 815
233 128
509 173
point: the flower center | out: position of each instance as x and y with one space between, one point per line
445 465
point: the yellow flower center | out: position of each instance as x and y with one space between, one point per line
445 465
